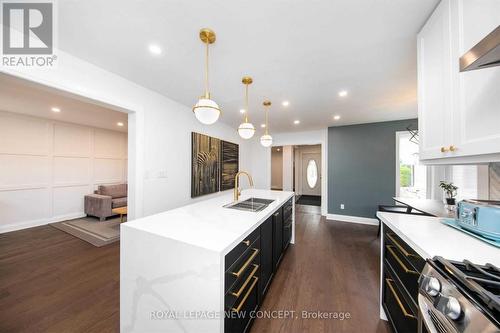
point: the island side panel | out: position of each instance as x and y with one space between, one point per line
164 283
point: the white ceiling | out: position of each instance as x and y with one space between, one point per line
301 51
28 98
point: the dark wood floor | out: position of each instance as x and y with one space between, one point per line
53 282
334 267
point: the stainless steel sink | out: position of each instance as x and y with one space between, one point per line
250 205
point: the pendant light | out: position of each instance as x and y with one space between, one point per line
266 140
206 110
246 129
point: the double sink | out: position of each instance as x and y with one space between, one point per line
250 205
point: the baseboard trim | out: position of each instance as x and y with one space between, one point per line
352 219
39 222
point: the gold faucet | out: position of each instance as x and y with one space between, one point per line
237 190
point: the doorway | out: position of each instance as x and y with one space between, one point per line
307 174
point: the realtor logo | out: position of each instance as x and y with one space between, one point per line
28 29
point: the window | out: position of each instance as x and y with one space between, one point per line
466 178
412 176
312 173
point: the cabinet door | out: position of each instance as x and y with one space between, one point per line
277 238
478 94
434 84
266 256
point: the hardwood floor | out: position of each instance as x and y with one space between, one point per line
53 282
334 267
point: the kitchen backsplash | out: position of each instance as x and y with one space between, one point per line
494 181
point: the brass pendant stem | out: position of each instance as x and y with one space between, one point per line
246 103
207 94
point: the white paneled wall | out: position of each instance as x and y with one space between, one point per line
47 167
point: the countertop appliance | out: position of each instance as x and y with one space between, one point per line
459 297
484 54
481 217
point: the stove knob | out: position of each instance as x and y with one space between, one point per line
433 286
453 308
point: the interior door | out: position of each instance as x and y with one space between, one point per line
311 174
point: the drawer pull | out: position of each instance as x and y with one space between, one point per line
238 308
393 291
246 242
245 265
401 263
401 248
238 293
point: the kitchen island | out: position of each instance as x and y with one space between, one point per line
407 242
184 269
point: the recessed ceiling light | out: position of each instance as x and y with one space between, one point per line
285 103
56 109
242 110
337 117
296 122
154 49
277 149
119 124
343 93
263 125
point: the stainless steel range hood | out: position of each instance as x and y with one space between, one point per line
484 54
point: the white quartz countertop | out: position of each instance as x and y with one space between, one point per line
208 224
429 237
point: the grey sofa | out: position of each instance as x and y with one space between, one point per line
107 197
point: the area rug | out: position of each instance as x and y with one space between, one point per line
311 200
92 230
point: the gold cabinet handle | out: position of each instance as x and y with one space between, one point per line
245 265
452 148
400 262
246 242
243 286
238 308
393 291
444 149
401 248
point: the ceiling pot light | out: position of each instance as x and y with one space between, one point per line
206 110
343 93
296 122
337 117
55 109
154 49
242 111
119 124
246 130
285 103
263 125
266 140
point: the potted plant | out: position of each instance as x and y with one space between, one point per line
451 192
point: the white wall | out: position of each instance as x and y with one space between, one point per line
287 168
277 169
47 167
159 132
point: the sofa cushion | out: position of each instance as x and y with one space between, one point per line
114 191
118 202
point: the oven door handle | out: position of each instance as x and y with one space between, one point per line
423 316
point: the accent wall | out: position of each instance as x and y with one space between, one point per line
362 166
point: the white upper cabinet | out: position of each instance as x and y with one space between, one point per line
434 83
459 112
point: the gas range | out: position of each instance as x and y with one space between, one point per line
459 297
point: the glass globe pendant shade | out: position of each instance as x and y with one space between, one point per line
266 140
246 130
206 111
